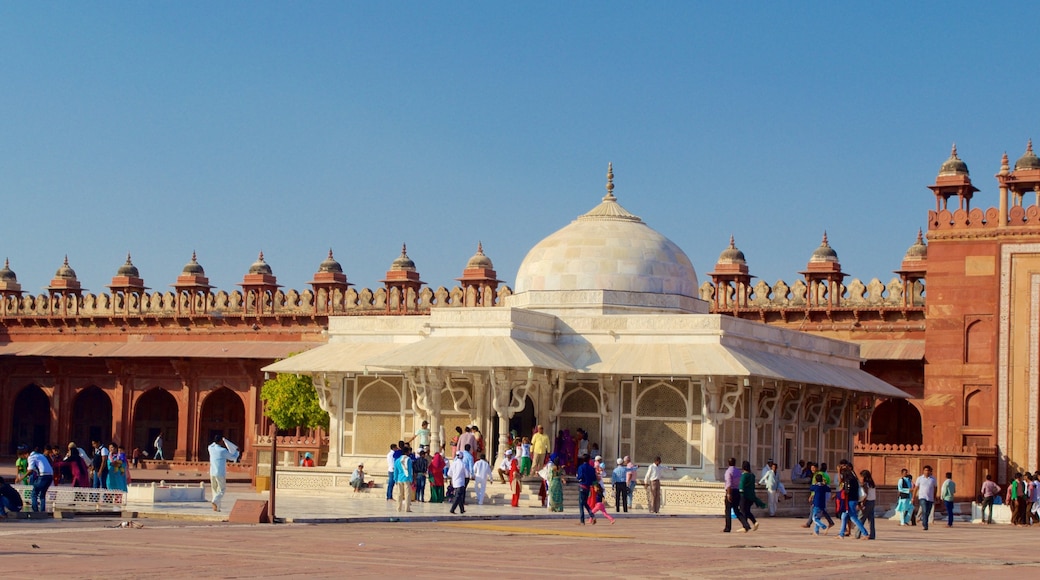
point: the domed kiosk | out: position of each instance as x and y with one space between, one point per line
608 259
604 335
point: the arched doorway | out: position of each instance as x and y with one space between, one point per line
222 414
31 418
896 422
91 417
156 412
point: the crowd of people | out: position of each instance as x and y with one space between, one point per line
41 467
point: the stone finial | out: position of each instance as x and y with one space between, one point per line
1005 165
824 242
732 242
953 152
610 183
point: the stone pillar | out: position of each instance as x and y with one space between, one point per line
329 388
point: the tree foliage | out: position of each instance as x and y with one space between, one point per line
291 401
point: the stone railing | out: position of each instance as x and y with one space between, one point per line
236 303
969 465
855 294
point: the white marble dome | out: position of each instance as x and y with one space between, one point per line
609 249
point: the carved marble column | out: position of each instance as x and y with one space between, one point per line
329 388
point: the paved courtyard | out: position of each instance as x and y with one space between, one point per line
657 547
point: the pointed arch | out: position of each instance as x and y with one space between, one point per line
91 417
155 412
223 414
30 418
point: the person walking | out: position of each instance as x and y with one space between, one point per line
1016 500
596 502
158 443
850 485
947 493
481 478
41 476
924 488
990 490
774 487
403 481
905 505
458 473
586 476
818 493
731 480
869 496
747 495
652 481
219 455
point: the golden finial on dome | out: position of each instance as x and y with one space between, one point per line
610 182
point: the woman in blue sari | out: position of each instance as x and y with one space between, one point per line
116 478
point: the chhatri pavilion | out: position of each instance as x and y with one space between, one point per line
604 331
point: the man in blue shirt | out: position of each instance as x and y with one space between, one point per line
41 476
586 477
218 458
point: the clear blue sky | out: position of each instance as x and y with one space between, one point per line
228 128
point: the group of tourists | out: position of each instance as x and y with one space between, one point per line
410 470
1022 497
104 467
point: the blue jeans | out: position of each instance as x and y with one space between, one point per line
39 492
96 481
850 514
390 485
926 512
583 503
420 487
7 507
815 517
949 512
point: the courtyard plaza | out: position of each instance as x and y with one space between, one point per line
635 547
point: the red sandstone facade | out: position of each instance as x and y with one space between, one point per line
75 366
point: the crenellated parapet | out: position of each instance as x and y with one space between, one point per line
192 297
855 294
822 289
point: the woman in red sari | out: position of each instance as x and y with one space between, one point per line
437 478
514 481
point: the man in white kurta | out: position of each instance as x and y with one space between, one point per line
218 458
481 477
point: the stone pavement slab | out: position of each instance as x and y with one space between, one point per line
685 547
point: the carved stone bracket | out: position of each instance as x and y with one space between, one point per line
556 380
608 392
836 411
767 405
814 400
794 397
865 405
722 399
459 395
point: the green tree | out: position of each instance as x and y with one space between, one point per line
291 401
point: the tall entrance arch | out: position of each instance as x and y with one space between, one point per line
224 414
896 422
31 418
156 412
91 417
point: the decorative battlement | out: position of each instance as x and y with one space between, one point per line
782 295
290 302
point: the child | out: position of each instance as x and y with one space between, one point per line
525 456
596 502
818 495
